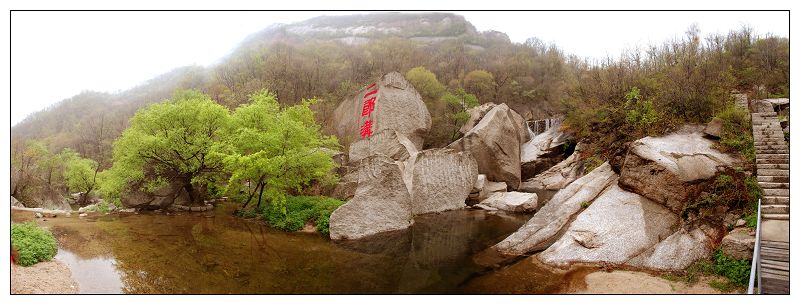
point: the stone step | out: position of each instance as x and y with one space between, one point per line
763 133
767 113
773 185
769 142
765 178
771 161
782 162
779 146
776 192
773 172
773 156
775 209
775 200
775 216
772 151
772 166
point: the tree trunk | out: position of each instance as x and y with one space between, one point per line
260 193
190 190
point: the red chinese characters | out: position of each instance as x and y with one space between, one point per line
366 111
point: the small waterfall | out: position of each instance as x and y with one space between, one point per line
540 126
530 132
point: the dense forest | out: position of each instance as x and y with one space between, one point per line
608 101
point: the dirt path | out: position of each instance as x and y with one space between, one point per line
53 277
633 282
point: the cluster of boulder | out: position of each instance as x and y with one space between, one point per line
389 179
631 217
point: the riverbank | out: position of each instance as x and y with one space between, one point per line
53 277
635 282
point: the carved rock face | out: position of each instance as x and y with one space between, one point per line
397 106
440 180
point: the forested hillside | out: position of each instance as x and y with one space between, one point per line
685 80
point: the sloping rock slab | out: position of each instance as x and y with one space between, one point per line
616 227
558 176
679 250
547 224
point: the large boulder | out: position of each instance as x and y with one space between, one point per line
397 106
679 250
739 244
388 142
382 202
669 169
477 113
346 187
547 224
617 226
517 202
558 176
763 106
440 180
495 144
543 152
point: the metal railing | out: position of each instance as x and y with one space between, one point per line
755 266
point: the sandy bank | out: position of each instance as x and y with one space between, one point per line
632 282
53 277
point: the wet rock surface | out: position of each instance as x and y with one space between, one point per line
516 202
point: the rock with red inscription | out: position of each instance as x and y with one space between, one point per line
391 102
388 142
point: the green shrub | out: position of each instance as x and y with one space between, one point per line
32 243
585 204
301 209
736 134
786 136
737 271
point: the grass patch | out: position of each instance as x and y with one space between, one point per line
585 204
736 272
32 243
297 211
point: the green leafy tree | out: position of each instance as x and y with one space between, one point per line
80 174
458 102
270 150
481 83
167 142
426 84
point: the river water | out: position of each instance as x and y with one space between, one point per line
215 252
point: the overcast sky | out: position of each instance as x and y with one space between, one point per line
55 55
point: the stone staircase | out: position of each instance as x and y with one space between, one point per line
772 171
772 165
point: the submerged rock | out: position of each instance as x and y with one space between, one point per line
440 180
617 226
495 144
668 169
512 202
397 106
382 202
544 228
